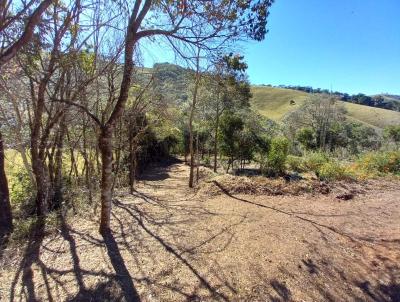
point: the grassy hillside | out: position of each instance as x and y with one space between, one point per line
274 103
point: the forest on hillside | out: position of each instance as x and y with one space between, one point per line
84 122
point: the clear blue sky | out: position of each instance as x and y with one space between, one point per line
351 45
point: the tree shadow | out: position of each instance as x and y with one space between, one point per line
158 171
137 216
30 257
282 290
118 263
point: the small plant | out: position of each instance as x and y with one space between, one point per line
276 158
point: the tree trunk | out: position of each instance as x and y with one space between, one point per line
106 147
105 139
6 225
197 158
132 166
216 140
88 165
191 154
57 197
38 150
191 117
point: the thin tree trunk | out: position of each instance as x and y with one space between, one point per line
132 166
58 196
105 139
191 153
106 147
216 140
38 164
197 158
6 225
191 118
191 148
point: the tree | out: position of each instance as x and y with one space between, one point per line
10 45
218 20
322 114
231 90
230 131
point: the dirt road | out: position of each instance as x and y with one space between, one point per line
169 244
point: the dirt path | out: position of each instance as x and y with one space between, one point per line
170 245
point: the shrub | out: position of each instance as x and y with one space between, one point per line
306 137
295 163
380 162
21 194
313 161
277 155
333 170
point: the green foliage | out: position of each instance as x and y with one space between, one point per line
393 133
313 161
230 129
333 170
306 137
276 158
380 162
358 137
295 163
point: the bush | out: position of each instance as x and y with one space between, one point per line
306 137
277 155
315 160
333 170
380 162
295 163
21 194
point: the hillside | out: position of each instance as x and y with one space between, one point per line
274 103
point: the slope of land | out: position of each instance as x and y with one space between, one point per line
274 103
169 244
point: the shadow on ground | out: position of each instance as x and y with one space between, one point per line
151 255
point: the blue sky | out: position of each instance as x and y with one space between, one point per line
350 45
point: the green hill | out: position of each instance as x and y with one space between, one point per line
274 103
